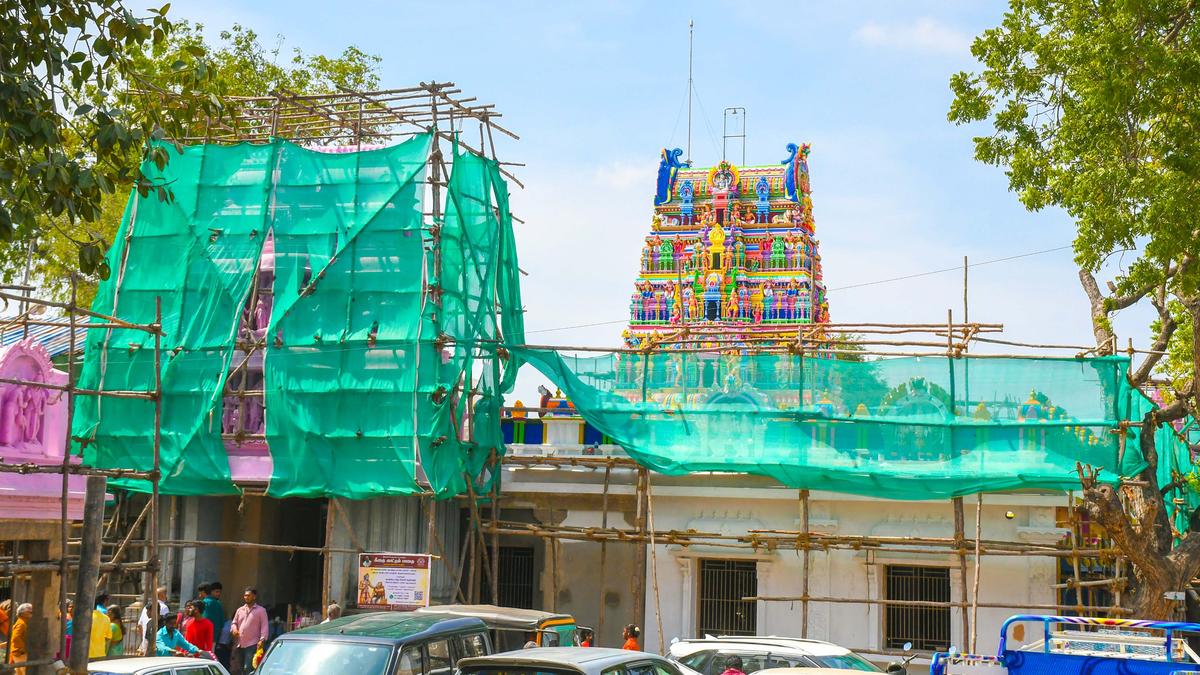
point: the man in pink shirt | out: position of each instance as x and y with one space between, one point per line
249 630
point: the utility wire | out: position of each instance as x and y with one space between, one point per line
842 288
948 269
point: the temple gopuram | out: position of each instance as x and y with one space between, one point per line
731 256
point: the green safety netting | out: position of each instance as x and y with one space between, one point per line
391 343
901 428
197 252
370 384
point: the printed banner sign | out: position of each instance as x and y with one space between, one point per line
395 581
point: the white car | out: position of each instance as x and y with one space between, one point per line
707 656
157 665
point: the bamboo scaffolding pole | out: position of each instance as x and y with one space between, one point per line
283 548
151 590
66 463
327 557
116 556
72 308
961 551
785 541
495 512
57 565
925 603
639 564
74 470
805 561
978 558
1074 520
145 396
662 646
603 554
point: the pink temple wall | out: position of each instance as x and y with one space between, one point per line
33 430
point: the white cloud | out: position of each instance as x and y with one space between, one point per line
924 34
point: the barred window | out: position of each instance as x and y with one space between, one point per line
723 584
927 628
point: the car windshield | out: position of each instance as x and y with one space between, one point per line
315 657
846 662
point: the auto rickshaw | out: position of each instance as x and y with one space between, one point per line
513 628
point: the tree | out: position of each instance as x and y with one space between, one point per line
1095 108
237 65
74 107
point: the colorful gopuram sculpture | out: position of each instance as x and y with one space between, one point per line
732 250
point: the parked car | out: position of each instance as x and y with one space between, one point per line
378 643
512 627
707 655
157 665
568 661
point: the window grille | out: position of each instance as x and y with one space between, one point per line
516 577
927 628
723 584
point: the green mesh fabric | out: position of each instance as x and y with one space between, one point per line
902 428
383 366
477 273
351 359
197 252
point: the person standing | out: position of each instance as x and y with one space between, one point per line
631 634
17 652
199 630
249 631
101 632
211 605
224 650
116 632
144 619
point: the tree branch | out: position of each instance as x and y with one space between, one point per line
1167 328
1100 324
1184 18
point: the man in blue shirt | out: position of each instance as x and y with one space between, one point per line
170 642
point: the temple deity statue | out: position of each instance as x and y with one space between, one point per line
666 255
733 307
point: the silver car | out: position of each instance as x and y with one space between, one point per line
157 665
568 661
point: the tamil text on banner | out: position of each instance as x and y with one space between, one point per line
396 581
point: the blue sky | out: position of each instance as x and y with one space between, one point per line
596 89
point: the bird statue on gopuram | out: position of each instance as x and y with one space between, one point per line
731 256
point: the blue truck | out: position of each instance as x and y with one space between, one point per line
1070 645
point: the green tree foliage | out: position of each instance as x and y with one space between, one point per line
183 60
74 107
1095 108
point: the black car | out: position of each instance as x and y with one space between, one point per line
378 643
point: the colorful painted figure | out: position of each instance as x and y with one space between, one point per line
762 189
668 172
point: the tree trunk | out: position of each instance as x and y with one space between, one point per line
1149 600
